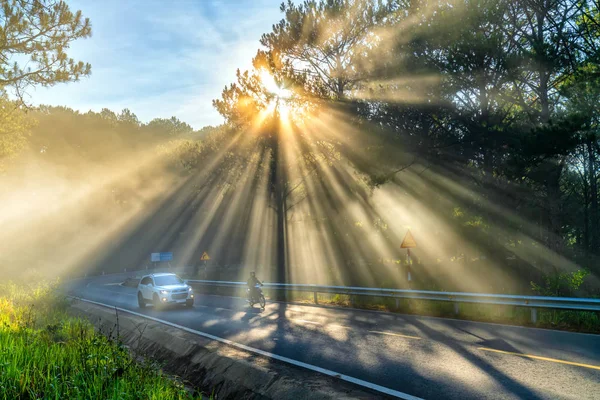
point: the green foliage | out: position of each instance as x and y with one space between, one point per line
560 283
129 118
241 102
65 136
499 94
38 33
15 129
497 99
187 153
330 36
197 153
46 354
172 126
580 321
570 320
34 37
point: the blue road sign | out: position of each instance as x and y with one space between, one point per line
156 257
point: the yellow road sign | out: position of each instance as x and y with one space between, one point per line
205 257
409 241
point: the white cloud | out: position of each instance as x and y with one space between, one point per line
161 59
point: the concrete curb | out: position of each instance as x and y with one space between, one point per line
211 366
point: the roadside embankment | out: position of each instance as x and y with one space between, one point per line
226 371
45 353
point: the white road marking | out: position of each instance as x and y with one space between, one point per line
119 292
303 321
397 316
339 326
395 334
356 381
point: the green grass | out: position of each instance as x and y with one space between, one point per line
577 321
46 354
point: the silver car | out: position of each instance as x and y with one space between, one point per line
162 289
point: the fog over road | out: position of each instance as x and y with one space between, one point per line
431 358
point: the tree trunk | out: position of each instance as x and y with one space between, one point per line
544 99
278 179
484 124
586 219
281 222
553 193
544 75
594 221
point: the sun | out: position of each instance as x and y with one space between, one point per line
285 102
272 87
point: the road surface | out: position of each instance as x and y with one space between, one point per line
431 358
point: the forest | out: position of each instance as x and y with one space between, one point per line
473 124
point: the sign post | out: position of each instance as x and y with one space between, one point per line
408 243
158 257
205 257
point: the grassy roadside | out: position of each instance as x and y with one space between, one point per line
573 321
567 320
44 353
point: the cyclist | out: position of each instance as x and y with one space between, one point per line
252 282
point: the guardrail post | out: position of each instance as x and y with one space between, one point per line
280 291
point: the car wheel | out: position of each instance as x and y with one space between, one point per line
156 301
189 302
141 301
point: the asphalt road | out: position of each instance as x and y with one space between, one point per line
431 358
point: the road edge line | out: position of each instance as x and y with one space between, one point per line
356 381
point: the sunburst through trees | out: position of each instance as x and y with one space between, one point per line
473 124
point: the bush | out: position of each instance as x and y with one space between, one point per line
560 284
46 354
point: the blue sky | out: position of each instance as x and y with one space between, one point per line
163 58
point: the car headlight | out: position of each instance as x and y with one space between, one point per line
163 292
189 289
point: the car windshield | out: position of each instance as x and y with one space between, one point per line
167 280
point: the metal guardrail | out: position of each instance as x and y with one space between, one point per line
142 271
533 302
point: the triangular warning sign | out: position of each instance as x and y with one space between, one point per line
409 241
204 257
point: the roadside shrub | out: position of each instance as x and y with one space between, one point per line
46 354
